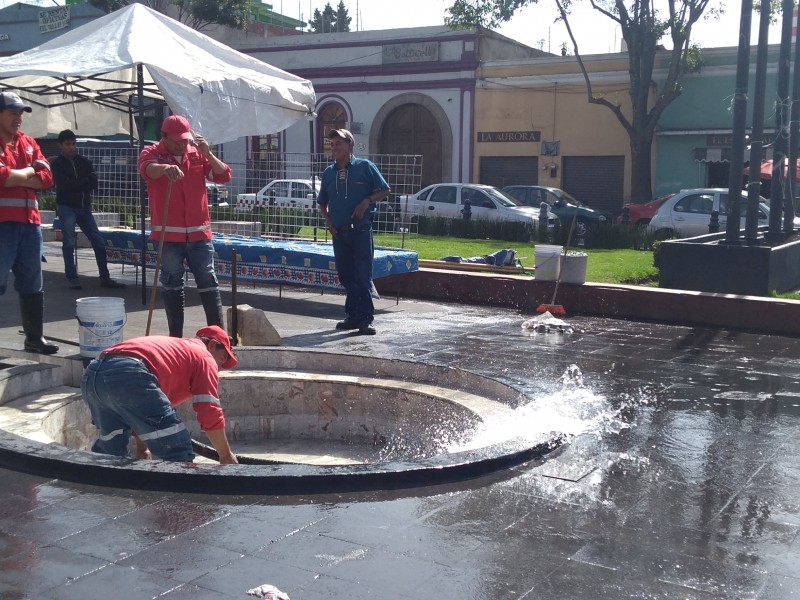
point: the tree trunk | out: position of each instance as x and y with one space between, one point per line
641 179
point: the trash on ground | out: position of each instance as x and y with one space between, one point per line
547 323
501 258
268 592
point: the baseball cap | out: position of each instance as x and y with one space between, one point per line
13 101
215 332
341 133
177 128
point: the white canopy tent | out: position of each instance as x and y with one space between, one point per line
93 79
89 80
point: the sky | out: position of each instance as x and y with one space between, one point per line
533 25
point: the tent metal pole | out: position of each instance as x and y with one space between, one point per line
142 187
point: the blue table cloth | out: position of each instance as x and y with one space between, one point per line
264 261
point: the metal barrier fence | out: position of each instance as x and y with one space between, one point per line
274 196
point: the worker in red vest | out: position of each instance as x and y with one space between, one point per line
176 170
23 170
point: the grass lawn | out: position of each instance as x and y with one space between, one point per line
603 266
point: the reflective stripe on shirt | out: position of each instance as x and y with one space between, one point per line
170 229
206 398
19 202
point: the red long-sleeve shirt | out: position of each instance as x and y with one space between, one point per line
18 203
188 218
185 371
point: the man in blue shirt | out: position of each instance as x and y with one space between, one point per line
349 190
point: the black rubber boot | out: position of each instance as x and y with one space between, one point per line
173 304
212 305
31 306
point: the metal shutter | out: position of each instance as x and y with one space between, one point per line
595 180
501 171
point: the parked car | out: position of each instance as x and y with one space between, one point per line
687 213
640 215
217 193
450 200
561 203
283 193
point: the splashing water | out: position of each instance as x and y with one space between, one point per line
571 410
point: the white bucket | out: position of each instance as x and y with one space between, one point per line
573 267
100 323
547 263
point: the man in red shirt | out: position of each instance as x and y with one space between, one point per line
133 387
23 170
178 166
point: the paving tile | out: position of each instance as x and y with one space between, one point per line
113 541
249 572
38 569
50 523
112 579
180 559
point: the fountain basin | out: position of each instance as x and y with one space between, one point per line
333 432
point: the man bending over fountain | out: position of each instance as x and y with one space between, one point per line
133 388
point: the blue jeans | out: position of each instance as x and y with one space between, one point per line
123 396
21 254
83 218
353 251
200 258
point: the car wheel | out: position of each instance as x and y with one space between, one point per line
642 223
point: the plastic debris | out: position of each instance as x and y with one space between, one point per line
268 592
547 323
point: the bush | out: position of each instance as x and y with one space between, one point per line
47 200
657 254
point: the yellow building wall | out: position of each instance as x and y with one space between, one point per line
549 95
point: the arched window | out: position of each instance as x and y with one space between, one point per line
331 116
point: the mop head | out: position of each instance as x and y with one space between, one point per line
546 323
553 309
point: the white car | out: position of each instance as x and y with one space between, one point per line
456 200
687 213
283 193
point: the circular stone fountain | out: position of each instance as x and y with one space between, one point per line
301 422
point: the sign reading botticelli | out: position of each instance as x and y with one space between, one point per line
53 19
509 136
411 53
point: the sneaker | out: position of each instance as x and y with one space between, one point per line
366 330
346 325
74 284
110 283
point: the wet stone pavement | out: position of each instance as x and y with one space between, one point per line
680 480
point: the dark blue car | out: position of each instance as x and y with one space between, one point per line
561 204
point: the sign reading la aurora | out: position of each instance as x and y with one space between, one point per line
509 136
411 53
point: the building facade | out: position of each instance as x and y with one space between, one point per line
401 92
535 126
695 132
25 26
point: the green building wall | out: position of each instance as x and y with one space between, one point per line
696 129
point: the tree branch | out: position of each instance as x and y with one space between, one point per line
590 94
